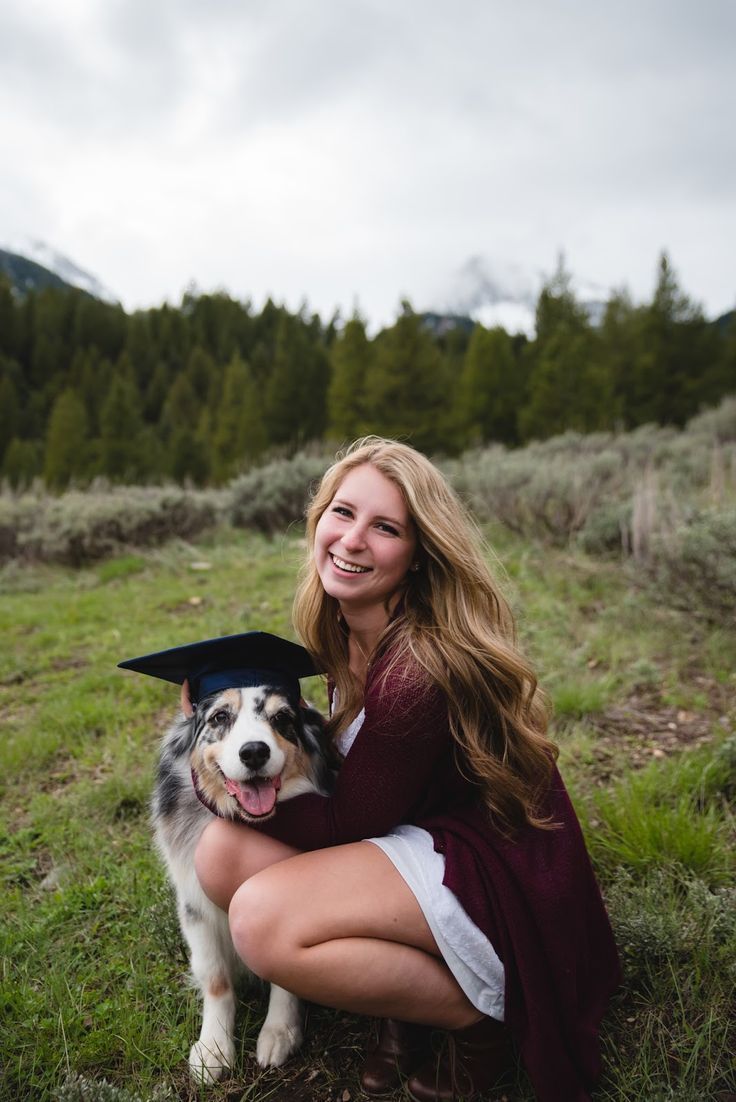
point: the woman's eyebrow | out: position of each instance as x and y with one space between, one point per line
379 516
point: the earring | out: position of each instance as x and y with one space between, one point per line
414 567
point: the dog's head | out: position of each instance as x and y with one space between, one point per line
253 747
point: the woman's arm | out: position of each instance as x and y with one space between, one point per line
384 777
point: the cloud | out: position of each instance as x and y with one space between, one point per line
370 147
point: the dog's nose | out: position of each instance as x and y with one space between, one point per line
254 754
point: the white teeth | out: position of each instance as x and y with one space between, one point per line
350 566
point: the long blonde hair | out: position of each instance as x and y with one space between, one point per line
457 626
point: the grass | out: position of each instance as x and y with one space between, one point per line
93 991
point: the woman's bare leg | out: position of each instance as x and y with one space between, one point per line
229 853
341 927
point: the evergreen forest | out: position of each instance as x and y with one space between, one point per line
202 392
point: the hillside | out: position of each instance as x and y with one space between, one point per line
26 275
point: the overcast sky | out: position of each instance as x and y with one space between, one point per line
364 150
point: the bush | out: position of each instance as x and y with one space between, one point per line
661 917
606 528
545 490
272 497
696 565
717 424
78 1088
78 528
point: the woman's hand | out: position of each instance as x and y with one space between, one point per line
186 702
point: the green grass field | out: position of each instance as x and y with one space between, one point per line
93 967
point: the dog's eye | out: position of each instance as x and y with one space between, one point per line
219 719
283 721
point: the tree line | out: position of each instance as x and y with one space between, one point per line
203 391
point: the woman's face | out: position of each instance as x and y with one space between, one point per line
365 541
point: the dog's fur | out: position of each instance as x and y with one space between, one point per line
249 748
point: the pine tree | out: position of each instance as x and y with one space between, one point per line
296 392
121 456
139 347
96 324
22 463
238 435
405 393
569 388
569 384
350 358
187 456
9 412
204 376
65 457
490 390
9 322
156 393
95 378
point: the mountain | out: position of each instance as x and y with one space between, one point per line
725 321
25 275
506 295
498 294
32 264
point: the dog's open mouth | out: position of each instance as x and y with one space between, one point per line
257 796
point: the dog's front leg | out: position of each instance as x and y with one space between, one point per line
212 964
282 1032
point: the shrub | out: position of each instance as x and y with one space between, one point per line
696 565
545 490
606 528
77 528
272 497
662 917
78 1088
717 424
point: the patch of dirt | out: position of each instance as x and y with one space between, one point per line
630 735
69 663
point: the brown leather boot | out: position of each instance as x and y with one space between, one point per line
473 1060
399 1048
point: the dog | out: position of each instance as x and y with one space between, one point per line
241 753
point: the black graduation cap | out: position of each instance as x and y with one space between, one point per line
252 658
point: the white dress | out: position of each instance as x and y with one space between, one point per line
465 949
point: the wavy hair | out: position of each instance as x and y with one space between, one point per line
457 626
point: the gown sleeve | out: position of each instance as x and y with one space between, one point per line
384 777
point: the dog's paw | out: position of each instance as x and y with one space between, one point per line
210 1062
276 1043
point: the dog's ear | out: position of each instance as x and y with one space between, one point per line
186 730
325 758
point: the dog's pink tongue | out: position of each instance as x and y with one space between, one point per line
257 797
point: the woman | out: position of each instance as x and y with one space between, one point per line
445 883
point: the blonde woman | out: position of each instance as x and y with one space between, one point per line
445 884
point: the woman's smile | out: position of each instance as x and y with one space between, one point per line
350 567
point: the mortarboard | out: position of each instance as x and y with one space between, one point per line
252 658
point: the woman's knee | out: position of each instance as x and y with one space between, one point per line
214 862
259 926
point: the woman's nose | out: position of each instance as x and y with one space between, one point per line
354 538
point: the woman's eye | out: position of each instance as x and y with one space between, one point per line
388 528
341 510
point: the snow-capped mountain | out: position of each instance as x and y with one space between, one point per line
490 294
506 295
67 270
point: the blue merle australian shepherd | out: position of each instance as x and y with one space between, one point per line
242 751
